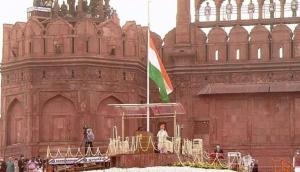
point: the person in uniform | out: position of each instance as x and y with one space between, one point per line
272 8
229 10
294 7
88 138
219 152
251 9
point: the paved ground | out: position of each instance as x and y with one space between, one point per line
161 169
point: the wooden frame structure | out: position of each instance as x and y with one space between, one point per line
158 110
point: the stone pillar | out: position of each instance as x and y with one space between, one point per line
3 123
239 4
282 2
197 10
197 15
260 8
218 8
183 21
32 129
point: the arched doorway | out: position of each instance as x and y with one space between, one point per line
59 121
16 123
106 118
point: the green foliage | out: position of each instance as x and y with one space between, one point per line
204 165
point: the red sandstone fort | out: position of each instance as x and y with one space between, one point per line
62 68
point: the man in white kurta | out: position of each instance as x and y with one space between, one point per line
164 145
296 161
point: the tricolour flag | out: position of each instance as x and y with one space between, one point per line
157 72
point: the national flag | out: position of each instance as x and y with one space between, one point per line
157 72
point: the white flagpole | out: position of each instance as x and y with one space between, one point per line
148 81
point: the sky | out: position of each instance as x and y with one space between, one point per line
162 12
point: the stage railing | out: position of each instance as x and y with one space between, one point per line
186 150
129 145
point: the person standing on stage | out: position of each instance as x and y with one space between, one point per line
219 152
218 149
89 137
164 145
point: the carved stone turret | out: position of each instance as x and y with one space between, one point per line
56 9
57 42
71 4
100 10
107 9
93 7
183 22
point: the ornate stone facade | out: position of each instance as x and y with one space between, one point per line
240 89
61 73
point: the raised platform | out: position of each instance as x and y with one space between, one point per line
143 160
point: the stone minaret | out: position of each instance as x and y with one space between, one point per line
183 22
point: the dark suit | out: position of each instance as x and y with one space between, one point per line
21 165
219 151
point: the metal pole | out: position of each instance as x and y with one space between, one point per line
123 125
148 82
175 122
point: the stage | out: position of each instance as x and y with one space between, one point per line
143 160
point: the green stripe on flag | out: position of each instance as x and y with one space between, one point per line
157 77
